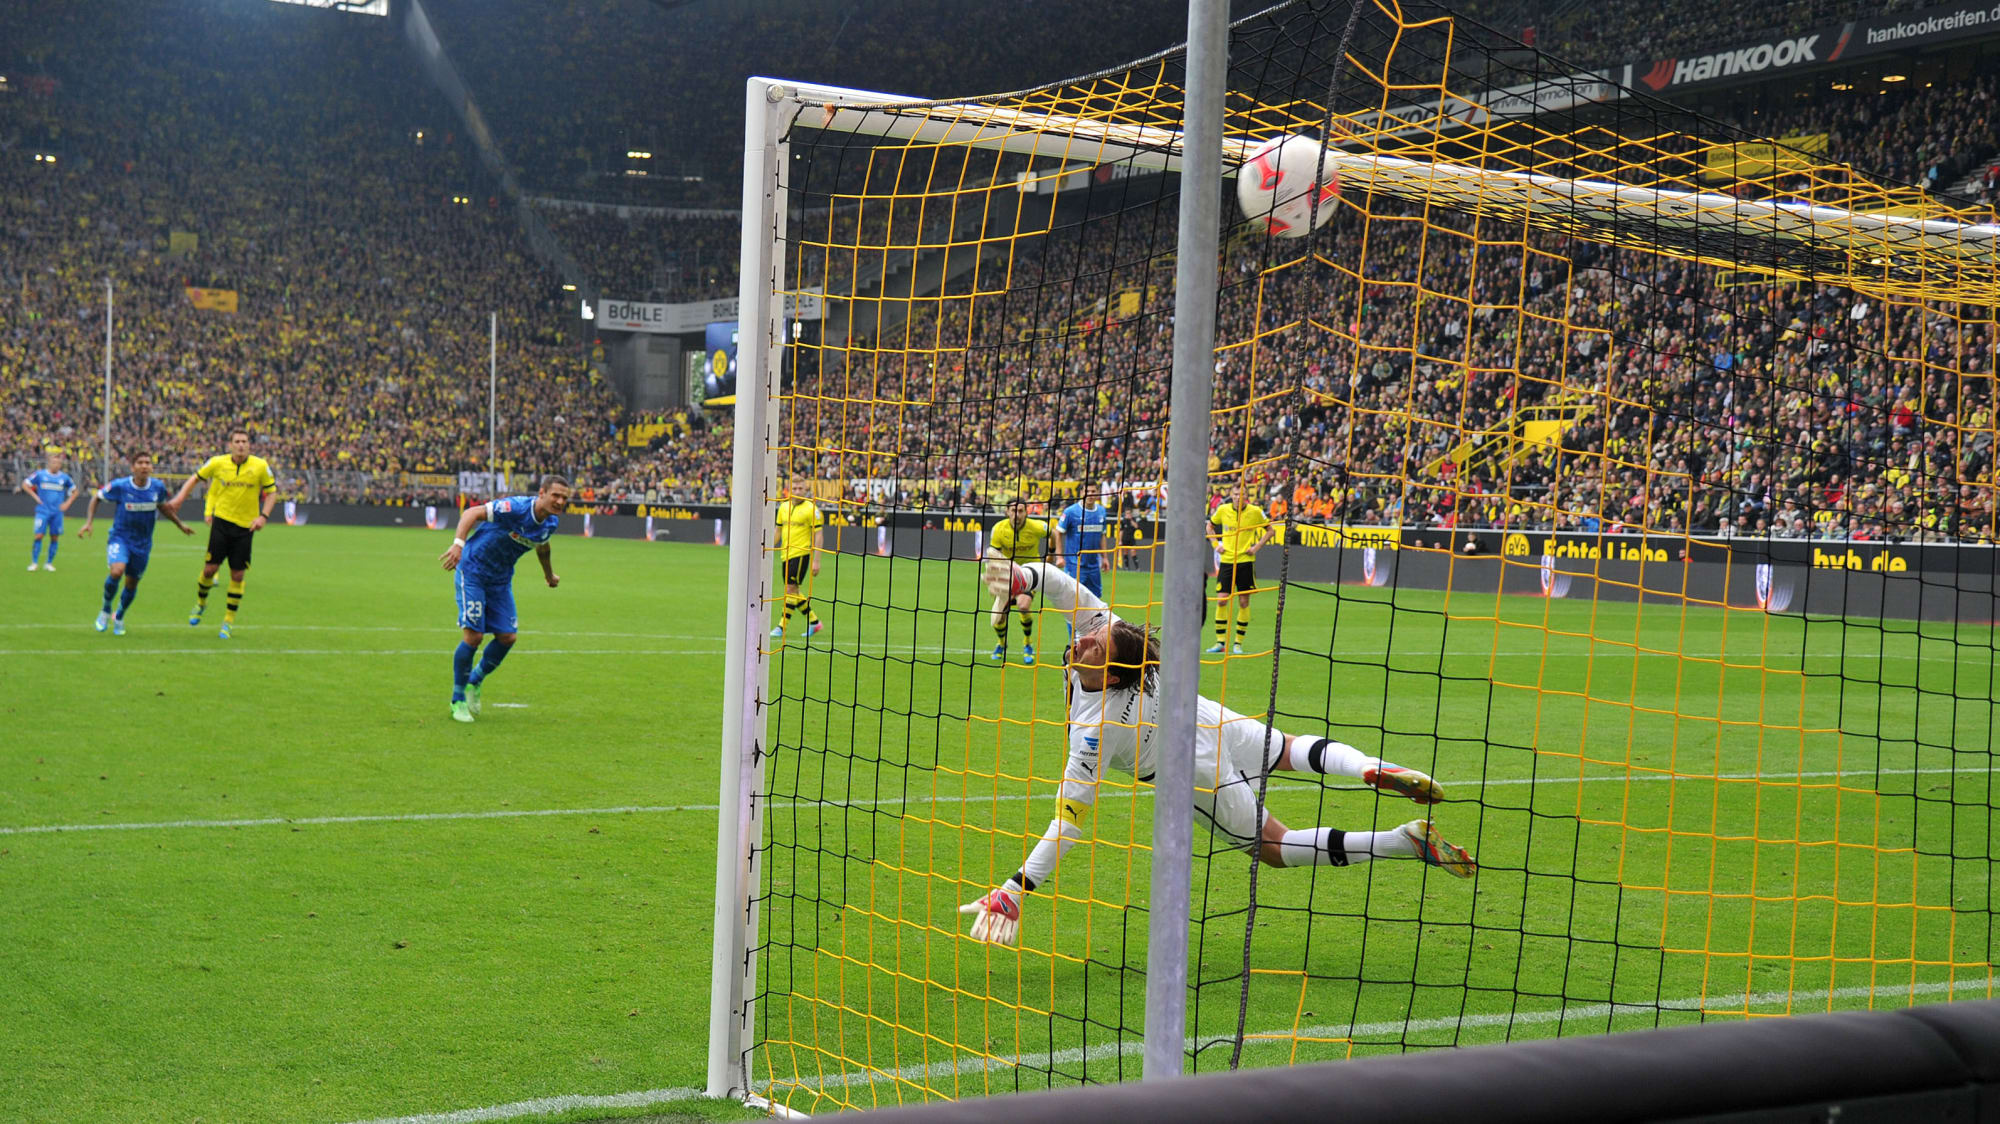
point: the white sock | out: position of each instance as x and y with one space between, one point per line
1330 846
1329 757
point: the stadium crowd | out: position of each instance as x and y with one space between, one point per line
364 248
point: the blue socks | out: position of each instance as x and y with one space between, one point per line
110 591
461 670
495 652
35 555
125 600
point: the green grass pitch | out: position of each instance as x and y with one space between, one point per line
289 887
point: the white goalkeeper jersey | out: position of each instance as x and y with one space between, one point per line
1114 728
1117 729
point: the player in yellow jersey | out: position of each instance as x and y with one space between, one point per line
241 493
799 526
1019 540
1241 527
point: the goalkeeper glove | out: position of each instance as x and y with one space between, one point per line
999 917
1004 579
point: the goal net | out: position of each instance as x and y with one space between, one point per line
1627 473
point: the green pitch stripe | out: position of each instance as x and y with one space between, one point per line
654 809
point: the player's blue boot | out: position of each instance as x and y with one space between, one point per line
1028 654
224 634
117 626
814 629
999 653
1236 649
194 618
778 633
1215 649
103 621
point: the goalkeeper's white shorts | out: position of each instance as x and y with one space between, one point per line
1231 754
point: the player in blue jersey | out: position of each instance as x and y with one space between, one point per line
491 538
137 502
54 491
1082 526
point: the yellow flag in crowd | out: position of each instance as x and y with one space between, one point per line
221 300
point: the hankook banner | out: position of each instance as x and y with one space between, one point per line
1792 48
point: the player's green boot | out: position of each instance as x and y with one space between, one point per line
461 711
103 620
472 698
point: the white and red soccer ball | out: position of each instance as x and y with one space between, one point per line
1286 185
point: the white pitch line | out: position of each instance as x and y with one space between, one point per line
544 1106
401 817
440 652
1615 649
973 1064
73 626
892 801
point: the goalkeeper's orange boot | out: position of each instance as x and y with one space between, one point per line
1435 851
1404 782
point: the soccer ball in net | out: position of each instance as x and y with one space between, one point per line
1283 185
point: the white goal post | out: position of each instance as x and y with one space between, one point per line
771 109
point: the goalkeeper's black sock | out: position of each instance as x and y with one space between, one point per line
1319 846
1330 846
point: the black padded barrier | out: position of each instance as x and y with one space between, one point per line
1936 1063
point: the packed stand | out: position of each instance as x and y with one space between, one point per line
649 255
363 247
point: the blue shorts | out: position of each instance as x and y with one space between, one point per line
48 523
484 606
1089 577
135 559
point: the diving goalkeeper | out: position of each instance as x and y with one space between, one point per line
1114 704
